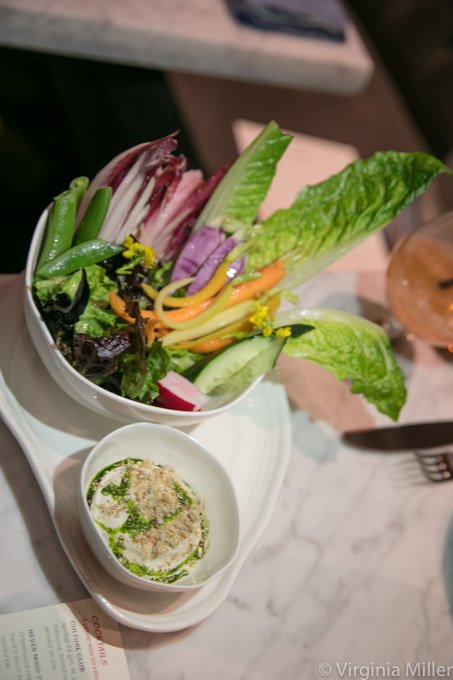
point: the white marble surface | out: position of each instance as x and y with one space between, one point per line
355 566
196 36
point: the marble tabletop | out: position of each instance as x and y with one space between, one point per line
197 37
354 569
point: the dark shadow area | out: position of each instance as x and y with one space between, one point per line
415 41
63 117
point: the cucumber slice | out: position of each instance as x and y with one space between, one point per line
237 365
259 365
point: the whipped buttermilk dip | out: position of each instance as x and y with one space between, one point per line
153 521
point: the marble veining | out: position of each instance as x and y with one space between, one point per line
355 566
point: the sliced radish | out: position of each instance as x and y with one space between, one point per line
178 393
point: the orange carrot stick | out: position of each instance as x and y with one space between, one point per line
183 314
212 345
214 341
269 277
217 340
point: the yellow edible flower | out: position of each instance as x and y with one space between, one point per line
129 243
260 317
262 320
283 332
148 256
136 250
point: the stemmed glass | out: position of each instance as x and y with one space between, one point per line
420 282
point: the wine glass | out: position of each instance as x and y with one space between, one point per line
420 282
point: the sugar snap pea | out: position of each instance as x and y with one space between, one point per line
60 226
94 216
79 185
77 257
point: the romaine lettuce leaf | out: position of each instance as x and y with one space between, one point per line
239 195
353 349
328 219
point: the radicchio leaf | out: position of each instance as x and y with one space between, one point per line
167 229
115 171
154 197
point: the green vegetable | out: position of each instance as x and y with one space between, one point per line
259 365
139 378
324 222
234 366
331 217
47 289
94 216
60 227
181 359
77 257
353 349
98 318
236 200
79 185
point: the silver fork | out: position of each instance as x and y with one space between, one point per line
436 464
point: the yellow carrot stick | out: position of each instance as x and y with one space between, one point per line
119 307
215 335
216 282
269 277
214 307
220 320
220 338
215 341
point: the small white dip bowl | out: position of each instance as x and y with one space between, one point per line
86 392
197 467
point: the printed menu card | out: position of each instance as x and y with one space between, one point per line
73 641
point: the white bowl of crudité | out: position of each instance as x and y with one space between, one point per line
88 393
205 243
163 504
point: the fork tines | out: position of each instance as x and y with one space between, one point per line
437 467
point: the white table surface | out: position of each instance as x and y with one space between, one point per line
191 36
355 566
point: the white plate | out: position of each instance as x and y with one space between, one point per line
252 441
